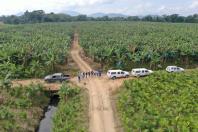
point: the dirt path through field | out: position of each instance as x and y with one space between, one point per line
100 108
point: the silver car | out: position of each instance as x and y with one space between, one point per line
57 77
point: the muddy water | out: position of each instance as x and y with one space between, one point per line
46 123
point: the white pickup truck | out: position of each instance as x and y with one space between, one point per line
113 74
139 72
174 69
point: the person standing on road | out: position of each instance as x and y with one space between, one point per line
79 78
89 73
100 73
92 73
86 74
97 73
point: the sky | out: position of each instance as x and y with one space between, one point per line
128 7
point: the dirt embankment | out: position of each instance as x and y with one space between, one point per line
48 86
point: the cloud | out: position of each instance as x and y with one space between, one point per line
194 5
162 8
81 3
129 7
190 7
14 6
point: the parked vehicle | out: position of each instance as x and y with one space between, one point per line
57 77
113 74
138 72
174 69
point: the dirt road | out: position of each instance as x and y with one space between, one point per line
100 108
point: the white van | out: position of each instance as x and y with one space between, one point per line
174 69
113 74
138 72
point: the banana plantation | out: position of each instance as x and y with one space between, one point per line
162 102
133 44
33 50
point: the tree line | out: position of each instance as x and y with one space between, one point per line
39 16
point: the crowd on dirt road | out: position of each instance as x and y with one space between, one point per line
83 75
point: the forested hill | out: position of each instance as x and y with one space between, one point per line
39 16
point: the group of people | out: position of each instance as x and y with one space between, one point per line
82 75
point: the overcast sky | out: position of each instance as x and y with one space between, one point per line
129 7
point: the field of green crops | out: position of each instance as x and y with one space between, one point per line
160 102
33 50
133 44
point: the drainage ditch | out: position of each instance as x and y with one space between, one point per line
46 122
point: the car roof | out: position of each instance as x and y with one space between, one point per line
114 70
172 66
57 74
138 69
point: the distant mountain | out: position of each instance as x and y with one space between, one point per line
95 15
19 14
71 13
116 15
